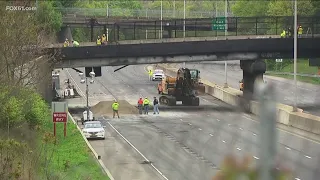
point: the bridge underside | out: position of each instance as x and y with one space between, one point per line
76 63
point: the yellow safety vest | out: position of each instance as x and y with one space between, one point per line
283 34
115 106
104 39
146 102
98 42
65 44
300 30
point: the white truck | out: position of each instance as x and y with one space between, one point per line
84 116
158 75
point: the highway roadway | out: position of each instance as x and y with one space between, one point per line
308 94
190 143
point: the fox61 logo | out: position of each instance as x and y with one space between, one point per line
20 8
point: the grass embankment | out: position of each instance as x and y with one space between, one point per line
71 158
302 68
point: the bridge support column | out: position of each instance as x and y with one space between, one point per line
252 71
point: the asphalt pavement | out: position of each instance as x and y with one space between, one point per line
308 94
190 143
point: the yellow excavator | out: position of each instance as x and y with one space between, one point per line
184 87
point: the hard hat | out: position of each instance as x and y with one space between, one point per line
66 39
104 34
146 97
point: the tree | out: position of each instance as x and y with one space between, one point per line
49 18
285 8
249 8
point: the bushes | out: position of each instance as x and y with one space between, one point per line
21 105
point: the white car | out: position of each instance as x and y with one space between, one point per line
93 130
158 75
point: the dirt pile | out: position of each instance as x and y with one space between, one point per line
103 108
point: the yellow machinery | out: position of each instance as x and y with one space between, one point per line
185 87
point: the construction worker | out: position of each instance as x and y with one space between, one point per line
150 74
146 104
289 32
75 43
155 105
159 88
104 39
283 34
66 43
140 104
99 41
300 31
115 108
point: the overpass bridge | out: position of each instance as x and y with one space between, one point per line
246 41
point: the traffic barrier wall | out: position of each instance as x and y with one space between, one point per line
299 120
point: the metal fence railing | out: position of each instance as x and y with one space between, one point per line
200 27
139 13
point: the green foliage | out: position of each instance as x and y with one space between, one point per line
66 157
249 8
21 105
285 8
48 18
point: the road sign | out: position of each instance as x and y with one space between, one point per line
278 60
60 117
219 23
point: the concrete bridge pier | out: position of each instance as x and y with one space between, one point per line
64 33
252 71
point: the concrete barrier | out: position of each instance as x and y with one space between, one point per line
285 116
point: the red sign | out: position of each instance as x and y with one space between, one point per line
60 117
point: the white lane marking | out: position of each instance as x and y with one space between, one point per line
181 120
200 129
223 141
255 157
190 124
248 118
307 157
204 100
208 115
254 134
229 124
164 177
288 148
296 135
241 129
211 134
297 179
218 119
238 149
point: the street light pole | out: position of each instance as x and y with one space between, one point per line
107 17
87 94
225 35
160 35
184 25
184 18
295 55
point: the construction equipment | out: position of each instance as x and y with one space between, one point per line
184 87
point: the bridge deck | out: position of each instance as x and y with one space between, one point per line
170 40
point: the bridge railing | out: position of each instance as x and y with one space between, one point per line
138 13
205 27
133 29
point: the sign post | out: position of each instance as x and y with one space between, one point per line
219 24
60 117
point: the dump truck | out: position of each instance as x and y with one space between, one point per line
185 87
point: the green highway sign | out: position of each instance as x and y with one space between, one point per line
219 23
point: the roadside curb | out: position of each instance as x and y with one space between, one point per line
98 158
